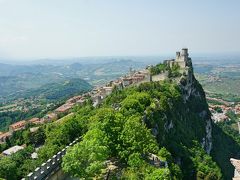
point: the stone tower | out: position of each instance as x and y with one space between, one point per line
177 56
182 58
184 54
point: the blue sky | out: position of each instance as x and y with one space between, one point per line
76 28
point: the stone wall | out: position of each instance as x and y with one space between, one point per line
52 166
160 77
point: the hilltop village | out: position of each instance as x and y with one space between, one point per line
97 95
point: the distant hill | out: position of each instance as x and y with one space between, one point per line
53 91
60 90
18 81
36 100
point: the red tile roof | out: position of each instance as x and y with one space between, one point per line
4 136
18 125
33 120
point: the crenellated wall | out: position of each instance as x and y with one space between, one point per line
49 168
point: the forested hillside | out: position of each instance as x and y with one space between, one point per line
37 100
156 130
60 90
167 119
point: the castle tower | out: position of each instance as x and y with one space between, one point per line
185 51
177 56
184 54
182 58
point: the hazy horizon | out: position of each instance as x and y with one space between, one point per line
58 29
196 58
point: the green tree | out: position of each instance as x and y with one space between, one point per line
159 174
86 159
175 170
8 168
47 151
204 164
131 106
135 160
111 122
136 138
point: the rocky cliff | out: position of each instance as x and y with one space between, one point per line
168 119
193 91
186 124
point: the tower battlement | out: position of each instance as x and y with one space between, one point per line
182 59
184 52
183 56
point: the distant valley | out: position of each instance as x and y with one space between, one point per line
18 81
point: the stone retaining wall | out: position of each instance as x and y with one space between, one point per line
50 167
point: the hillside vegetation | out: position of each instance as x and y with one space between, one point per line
160 119
151 118
37 100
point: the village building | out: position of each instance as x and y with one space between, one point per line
96 98
219 117
85 95
34 129
12 150
80 101
127 81
108 90
35 121
73 99
95 90
136 78
50 117
17 126
4 137
64 108
117 84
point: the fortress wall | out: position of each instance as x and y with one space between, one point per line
160 77
51 167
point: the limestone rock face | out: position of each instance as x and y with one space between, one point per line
190 120
207 142
192 90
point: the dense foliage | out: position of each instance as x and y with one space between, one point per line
174 71
158 68
51 138
17 165
130 126
126 123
